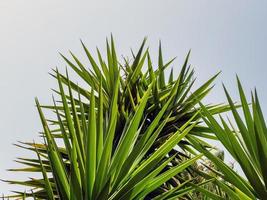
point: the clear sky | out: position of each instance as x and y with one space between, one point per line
223 35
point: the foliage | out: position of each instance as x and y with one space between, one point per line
130 134
247 144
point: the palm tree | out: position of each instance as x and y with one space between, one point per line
130 134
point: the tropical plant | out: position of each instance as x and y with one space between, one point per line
129 134
247 143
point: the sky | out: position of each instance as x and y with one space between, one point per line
228 36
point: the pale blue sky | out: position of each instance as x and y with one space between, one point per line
223 35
